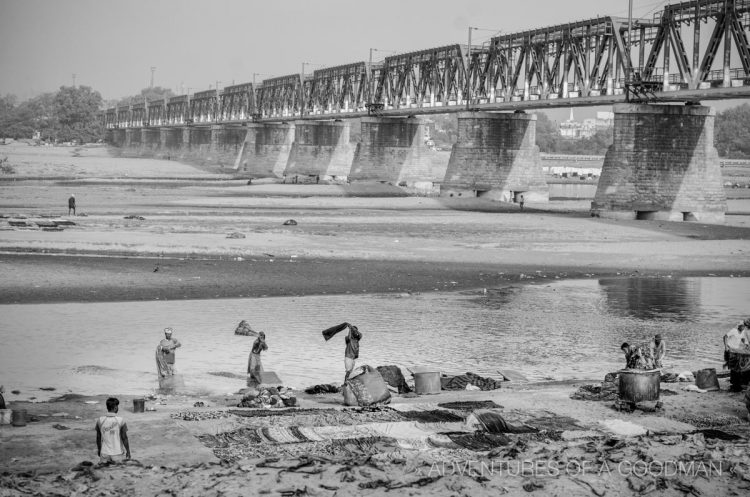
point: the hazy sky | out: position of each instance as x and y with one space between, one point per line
112 45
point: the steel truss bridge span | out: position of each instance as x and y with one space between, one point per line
690 51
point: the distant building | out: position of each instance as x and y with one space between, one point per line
575 130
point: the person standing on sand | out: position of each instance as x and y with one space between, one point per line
520 201
72 204
112 434
658 351
165 354
2 399
254 365
351 354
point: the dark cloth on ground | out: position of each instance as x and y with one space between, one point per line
669 378
493 422
478 441
436 416
719 434
260 413
470 405
329 333
608 390
460 382
394 377
317 389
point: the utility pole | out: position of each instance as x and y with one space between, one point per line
468 63
153 69
629 77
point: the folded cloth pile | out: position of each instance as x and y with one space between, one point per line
460 382
269 397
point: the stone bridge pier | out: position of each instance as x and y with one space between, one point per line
265 150
496 157
662 165
392 150
321 149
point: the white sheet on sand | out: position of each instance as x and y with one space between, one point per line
416 406
623 428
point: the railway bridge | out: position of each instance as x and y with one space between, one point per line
655 72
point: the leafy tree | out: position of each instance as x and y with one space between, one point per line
72 113
732 132
77 112
547 134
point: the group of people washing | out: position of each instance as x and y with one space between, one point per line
736 355
165 352
647 356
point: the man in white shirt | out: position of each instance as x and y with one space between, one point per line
112 434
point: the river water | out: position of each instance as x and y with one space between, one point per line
560 330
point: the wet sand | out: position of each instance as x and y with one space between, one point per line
344 242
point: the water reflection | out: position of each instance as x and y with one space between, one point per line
566 329
677 299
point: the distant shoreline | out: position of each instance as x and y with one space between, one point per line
106 278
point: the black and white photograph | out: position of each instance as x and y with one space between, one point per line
338 248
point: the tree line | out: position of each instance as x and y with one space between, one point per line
73 113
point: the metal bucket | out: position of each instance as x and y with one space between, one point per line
427 382
18 417
706 379
139 405
5 416
637 385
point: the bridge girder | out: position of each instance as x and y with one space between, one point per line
574 62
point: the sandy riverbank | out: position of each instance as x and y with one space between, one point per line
579 448
344 241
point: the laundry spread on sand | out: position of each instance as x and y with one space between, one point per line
394 377
470 405
461 381
321 389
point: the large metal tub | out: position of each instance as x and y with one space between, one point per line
637 385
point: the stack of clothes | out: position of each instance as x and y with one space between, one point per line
461 381
269 397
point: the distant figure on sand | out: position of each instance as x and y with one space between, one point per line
165 354
520 201
112 434
72 204
2 399
254 365
635 357
352 349
658 351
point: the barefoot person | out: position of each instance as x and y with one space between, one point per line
351 354
165 354
254 365
658 351
72 204
112 434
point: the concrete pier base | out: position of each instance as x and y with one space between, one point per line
392 150
662 165
321 149
496 157
265 151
